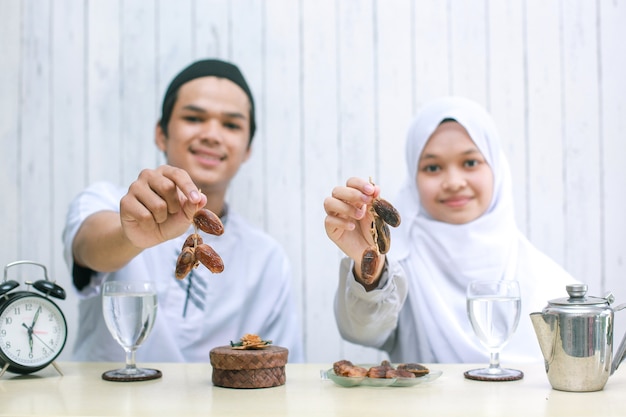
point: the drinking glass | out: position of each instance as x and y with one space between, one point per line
493 308
129 309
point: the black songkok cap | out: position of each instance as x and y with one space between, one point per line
205 68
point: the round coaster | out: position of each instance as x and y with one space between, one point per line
494 378
155 374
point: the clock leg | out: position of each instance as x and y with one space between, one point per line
55 367
4 369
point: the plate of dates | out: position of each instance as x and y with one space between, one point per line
346 374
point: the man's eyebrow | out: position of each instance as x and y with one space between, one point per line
194 108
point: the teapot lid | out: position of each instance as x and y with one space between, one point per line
577 297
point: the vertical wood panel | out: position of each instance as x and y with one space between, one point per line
139 97
174 45
211 28
582 142
174 41
103 91
283 102
68 138
393 94
10 135
612 50
35 165
506 96
247 50
545 193
431 57
320 134
468 65
356 105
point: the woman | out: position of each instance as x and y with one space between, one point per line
458 225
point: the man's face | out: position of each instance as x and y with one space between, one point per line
208 132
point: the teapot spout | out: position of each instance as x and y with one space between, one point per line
544 328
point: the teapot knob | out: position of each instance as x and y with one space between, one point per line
576 290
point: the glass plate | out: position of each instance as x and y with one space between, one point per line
346 381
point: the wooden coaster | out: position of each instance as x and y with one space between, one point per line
155 375
493 378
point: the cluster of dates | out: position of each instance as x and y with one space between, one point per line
346 368
195 252
384 215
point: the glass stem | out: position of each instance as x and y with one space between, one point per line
131 365
494 361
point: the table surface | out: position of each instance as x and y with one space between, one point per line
186 390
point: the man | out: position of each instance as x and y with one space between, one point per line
205 131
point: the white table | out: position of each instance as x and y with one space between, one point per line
186 390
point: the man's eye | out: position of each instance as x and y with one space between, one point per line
232 126
193 119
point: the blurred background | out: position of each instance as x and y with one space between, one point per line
336 83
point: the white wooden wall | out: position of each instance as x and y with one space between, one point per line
337 83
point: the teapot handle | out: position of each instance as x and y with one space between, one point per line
618 357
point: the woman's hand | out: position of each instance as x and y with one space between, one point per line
348 221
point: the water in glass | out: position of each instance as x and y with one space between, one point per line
493 308
129 310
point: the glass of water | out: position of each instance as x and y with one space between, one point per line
129 309
493 308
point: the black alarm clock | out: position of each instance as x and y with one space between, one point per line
33 329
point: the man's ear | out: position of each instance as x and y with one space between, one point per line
247 155
159 137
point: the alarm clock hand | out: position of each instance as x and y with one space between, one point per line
41 340
30 336
32 326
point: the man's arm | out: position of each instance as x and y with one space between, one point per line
159 206
101 245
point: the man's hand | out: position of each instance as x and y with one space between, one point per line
159 206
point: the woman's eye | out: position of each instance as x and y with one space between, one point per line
471 163
431 168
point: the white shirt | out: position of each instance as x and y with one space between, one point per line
252 294
418 313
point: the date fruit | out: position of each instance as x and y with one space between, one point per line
387 212
369 262
383 235
383 214
209 258
192 241
208 222
186 262
194 251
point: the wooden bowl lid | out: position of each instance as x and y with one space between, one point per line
225 357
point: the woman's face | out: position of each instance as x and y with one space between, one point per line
454 181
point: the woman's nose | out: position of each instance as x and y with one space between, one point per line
454 180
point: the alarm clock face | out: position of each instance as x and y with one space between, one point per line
33 332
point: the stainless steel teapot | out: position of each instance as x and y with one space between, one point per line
576 338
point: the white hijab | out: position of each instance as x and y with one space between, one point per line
440 259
